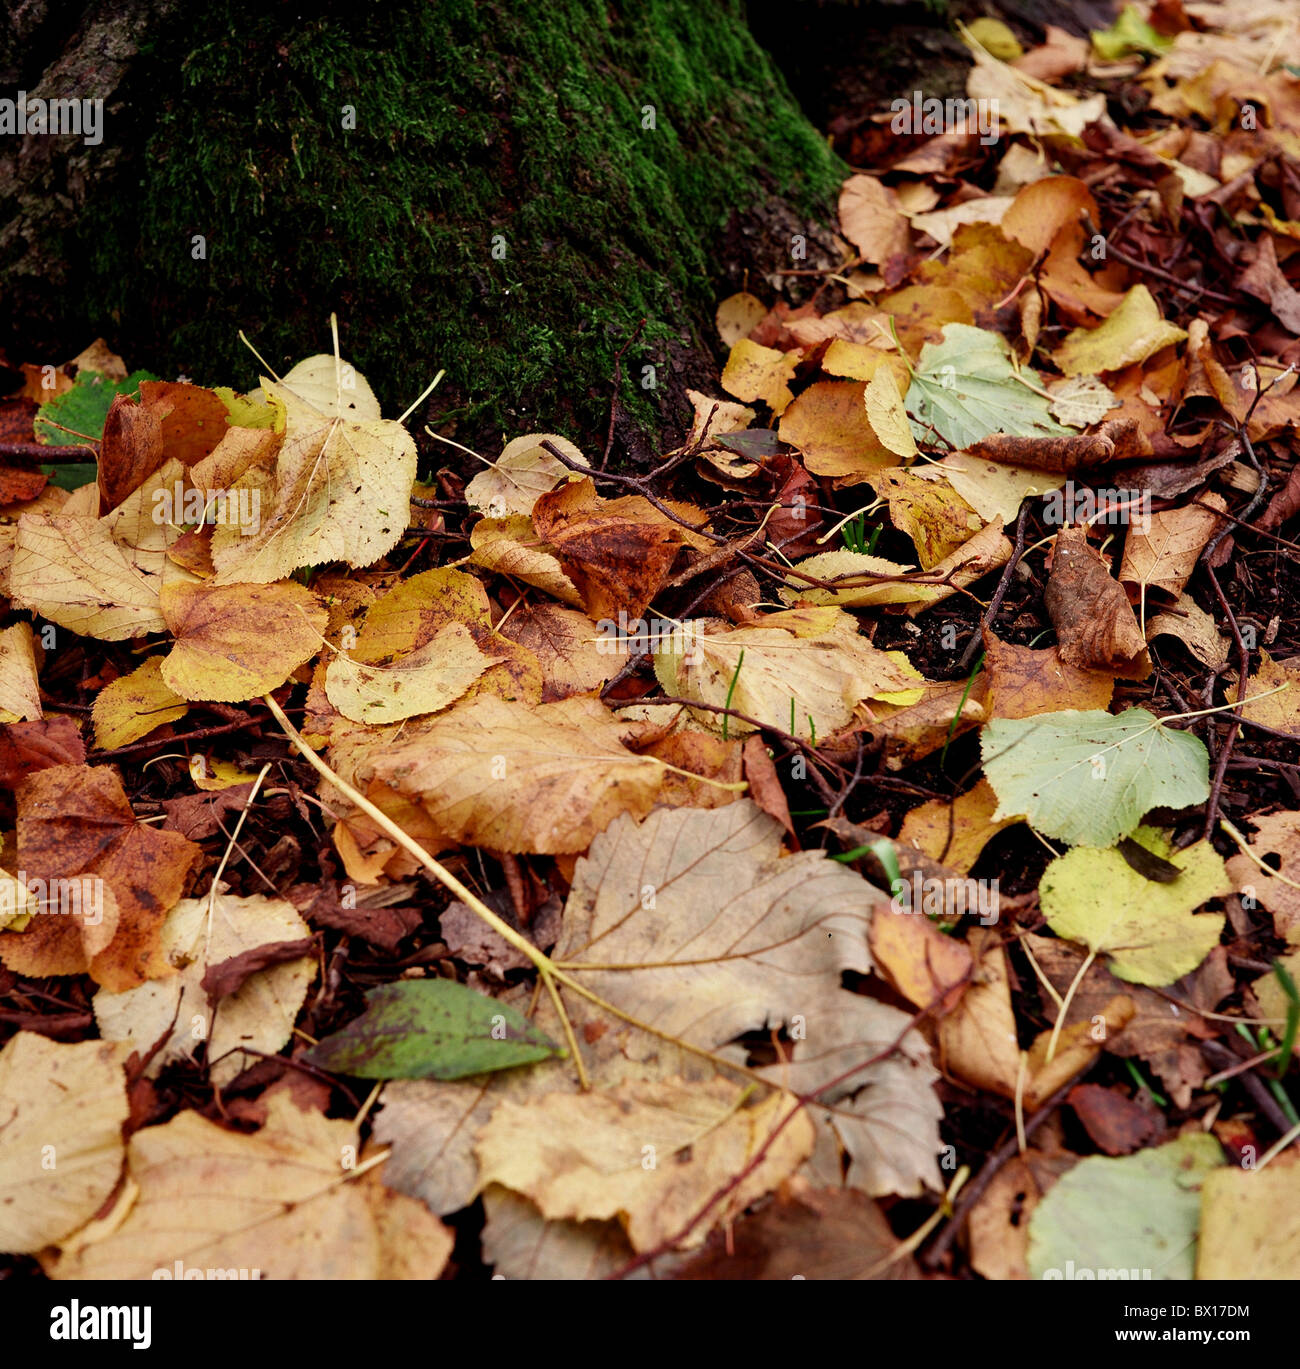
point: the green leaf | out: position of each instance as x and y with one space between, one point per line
1138 1212
73 475
83 408
1129 33
1090 777
431 1029
968 387
1146 929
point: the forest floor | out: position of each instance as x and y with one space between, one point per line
864 844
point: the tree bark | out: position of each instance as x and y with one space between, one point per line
500 191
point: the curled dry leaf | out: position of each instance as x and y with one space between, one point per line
1118 440
1094 620
618 552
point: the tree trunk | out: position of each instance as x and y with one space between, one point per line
503 191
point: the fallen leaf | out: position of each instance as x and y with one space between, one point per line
176 1009
1163 555
518 478
1024 682
1095 625
20 690
1145 928
583 1157
1250 1219
872 220
134 705
341 482
967 387
431 1029
1089 777
279 1204
1133 332
63 1150
425 681
760 375
515 778
1138 1214
217 656
954 833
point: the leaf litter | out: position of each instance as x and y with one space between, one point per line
712 889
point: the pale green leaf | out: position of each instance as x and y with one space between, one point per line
1090 777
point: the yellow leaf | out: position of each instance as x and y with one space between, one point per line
518 478
424 681
341 484
64 1106
1132 333
20 691
886 414
131 707
760 374
235 642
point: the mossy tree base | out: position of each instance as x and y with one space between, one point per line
502 191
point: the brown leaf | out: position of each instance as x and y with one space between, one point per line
806 1233
1164 555
18 484
228 976
925 966
764 783
1264 279
1118 440
74 822
1093 618
1117 1124
131 451
618 552
26 748
197 816
1024 681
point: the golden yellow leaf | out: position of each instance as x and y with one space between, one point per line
1132 333
133 705
235 642
424 681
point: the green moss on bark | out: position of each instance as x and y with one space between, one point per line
474 122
